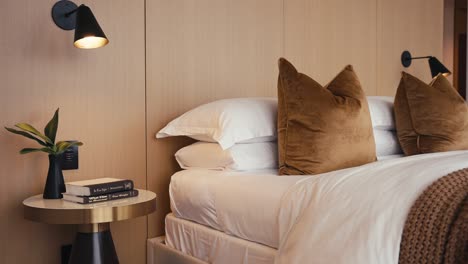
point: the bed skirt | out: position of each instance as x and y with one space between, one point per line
159 252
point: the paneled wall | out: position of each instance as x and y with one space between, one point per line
322 37
209 50
416 26
186 52
101 95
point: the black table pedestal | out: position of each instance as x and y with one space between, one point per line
93 245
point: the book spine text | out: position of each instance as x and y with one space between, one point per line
110 187
109 197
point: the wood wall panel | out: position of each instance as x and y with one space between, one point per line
101 95
448 40
199 51
416 26
322 37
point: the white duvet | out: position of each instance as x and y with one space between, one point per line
354 215
357 215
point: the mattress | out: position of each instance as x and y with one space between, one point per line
249 205
214 246
218 199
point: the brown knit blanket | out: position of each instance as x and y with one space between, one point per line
436 230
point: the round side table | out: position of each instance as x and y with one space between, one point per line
93 242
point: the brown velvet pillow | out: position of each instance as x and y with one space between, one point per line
430 117
322 129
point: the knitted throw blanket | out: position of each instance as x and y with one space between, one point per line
436 230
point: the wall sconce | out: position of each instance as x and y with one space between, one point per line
435 65
88 34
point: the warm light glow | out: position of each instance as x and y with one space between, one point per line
91 42
445 74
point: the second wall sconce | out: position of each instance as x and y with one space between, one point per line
435 65
88 34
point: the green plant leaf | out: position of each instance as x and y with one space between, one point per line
62 146
77 143
29 150
25 134
50 130
32 130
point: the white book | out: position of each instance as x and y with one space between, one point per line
98 186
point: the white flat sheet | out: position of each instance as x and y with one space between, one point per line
214 246
260 206
244 204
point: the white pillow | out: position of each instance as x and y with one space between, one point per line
206 155
386 143
229 121
381 111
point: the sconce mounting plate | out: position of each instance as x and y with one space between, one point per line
406 58
60 17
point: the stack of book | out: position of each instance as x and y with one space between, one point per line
99 190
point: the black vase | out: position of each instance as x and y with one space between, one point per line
55 185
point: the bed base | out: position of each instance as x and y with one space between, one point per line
159 253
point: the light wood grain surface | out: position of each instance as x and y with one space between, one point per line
209 50
416 26
322 37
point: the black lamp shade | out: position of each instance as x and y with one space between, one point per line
434 64
88 33
437 67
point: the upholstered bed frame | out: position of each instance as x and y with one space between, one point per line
159 252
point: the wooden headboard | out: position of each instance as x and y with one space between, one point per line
200 51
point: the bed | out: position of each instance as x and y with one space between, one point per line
239 198
354 215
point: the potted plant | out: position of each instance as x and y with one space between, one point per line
55 185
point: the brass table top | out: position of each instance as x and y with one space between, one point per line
59 211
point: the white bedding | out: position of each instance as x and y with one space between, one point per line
354 215
219 199
357 215
214 246
244 204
